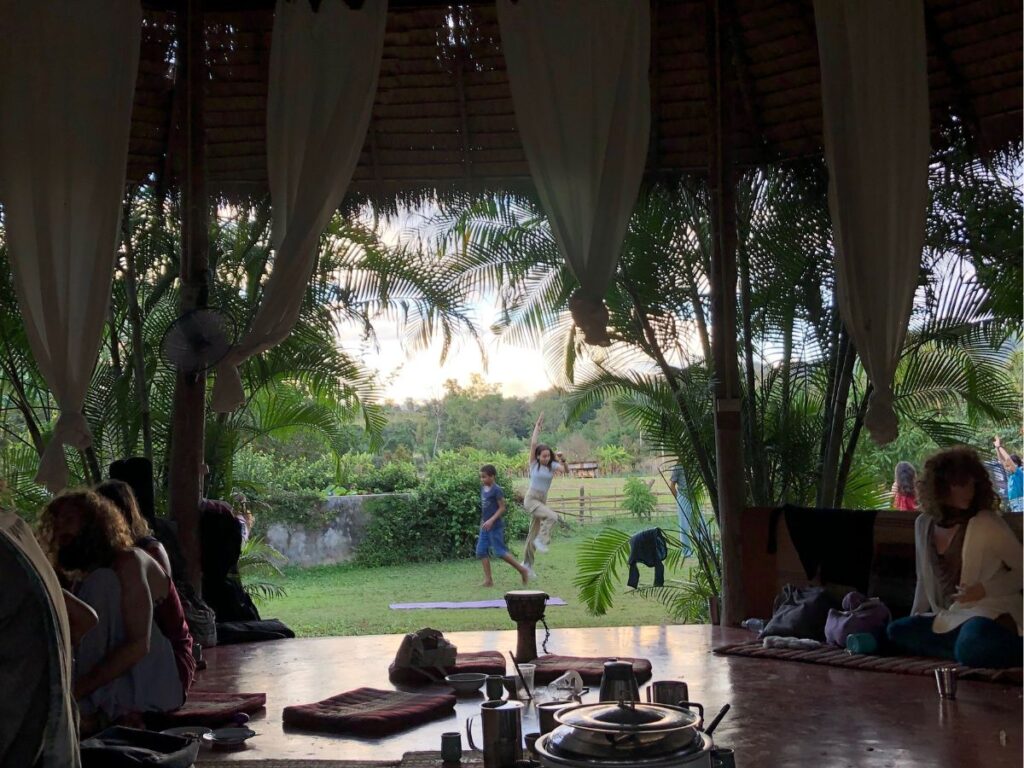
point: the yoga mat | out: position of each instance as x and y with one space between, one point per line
468 604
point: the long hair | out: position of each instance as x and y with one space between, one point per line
906 478
954 466
121 495
541 447
103 535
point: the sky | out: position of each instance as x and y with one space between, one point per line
404 373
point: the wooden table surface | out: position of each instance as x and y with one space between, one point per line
783 713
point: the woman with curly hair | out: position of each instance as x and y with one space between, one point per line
125 666
967 605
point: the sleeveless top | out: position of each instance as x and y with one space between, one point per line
541 476
169 616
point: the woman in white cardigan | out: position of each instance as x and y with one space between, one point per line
967 605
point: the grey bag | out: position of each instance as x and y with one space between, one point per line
799 612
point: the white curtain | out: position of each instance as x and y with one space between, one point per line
578 75
874 91
323 80
67 80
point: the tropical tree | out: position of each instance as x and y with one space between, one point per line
309 383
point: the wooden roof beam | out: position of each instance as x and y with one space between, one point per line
748 89
956 77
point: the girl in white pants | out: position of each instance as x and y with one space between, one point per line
543 468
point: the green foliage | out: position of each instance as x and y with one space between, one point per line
440 519
259 567
640 500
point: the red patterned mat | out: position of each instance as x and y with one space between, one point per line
487 662
590 669
370 712
838 657
212 709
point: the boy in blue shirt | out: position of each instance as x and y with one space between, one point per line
492 526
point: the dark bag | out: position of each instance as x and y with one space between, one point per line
859 615
232 632
799 612
130 748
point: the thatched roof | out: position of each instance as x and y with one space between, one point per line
444 119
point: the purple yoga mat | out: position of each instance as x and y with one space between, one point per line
470 604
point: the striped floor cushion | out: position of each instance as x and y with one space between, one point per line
590 669
370 712
210 708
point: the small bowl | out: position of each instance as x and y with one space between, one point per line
466 682
228 738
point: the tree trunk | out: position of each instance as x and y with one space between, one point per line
851 448
830 461
138 350
22 403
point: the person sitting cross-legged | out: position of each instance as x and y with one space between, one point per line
125 666
967 605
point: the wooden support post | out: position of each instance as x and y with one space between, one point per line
189 416
728 433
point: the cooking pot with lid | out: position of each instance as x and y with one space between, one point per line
617 735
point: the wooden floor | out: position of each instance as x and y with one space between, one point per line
783 713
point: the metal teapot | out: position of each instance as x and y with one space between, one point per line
618 683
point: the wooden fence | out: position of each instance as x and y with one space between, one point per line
590 507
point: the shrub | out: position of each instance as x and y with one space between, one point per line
440 520
640 500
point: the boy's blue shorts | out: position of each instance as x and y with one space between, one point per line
493 539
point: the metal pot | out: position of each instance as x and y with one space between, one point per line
617 735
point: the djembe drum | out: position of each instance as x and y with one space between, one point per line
526 608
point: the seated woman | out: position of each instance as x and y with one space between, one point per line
41 623
967 605
125 666
169 612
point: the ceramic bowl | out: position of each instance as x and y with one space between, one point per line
228 738
466 682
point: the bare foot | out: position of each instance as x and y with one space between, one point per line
487 584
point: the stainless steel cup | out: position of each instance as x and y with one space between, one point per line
451 747
494 687
945 681
668 692
502 726
530 739
511 685
546 712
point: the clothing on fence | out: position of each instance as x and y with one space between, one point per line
649 548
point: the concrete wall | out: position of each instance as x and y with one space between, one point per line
334 542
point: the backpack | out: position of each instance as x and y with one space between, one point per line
119 747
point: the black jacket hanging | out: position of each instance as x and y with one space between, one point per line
650 548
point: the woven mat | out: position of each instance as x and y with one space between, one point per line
293 764
433 760
837 657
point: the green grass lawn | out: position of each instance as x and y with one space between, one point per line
345 600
